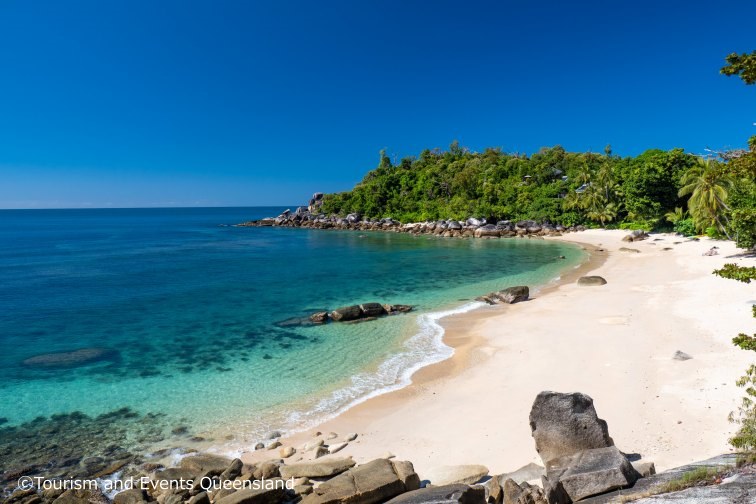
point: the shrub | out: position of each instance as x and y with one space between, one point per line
685 227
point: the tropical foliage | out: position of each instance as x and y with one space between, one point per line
745 417
552 185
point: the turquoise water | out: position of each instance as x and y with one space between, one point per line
195 316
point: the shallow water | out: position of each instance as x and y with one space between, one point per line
194 316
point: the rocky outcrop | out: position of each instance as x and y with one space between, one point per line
321 469
312 218
346 313
635 236
509 295
588 472
448 494
565 424
592 280
356 313
450 475
376 481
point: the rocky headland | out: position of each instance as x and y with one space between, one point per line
580 464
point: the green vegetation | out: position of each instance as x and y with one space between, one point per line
742 65
660 190
555 185
745 439
696 477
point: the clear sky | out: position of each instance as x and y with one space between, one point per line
184 103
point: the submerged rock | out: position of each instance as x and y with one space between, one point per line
70 359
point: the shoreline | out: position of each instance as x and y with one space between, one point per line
446 402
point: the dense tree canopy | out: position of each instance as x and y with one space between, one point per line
551 185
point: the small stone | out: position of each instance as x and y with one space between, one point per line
332 435
321 451
350 437
259 446
287 451
337 447
274 445
681 356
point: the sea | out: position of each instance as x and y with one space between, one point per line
198 328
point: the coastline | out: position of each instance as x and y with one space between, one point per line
472 407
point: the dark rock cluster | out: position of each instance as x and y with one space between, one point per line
311 217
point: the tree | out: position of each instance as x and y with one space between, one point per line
742 65
745 417
707 184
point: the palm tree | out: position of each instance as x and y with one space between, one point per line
707 184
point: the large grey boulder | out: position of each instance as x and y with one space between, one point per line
591 280
565 424
205 464
512 295
346 313
319 469
254 496
489 230
523 493
586 473
376 481
447 494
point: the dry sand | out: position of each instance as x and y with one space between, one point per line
613 342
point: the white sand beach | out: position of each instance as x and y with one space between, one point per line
613 342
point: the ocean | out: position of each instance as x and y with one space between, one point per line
195 324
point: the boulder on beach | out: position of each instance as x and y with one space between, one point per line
346 313
565 424
681 356
447 494
450 475
512 295
73 358
254 496
319 469
202 464
376 481
589 472
591 280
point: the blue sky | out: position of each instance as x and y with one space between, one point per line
182 103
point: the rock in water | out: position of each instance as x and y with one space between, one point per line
513 295
69 359
591 280
448 494
346 313
372 309
589 472
370 483
564 424
319 317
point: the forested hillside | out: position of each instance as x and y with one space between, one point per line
656 189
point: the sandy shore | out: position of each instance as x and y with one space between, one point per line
614 342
